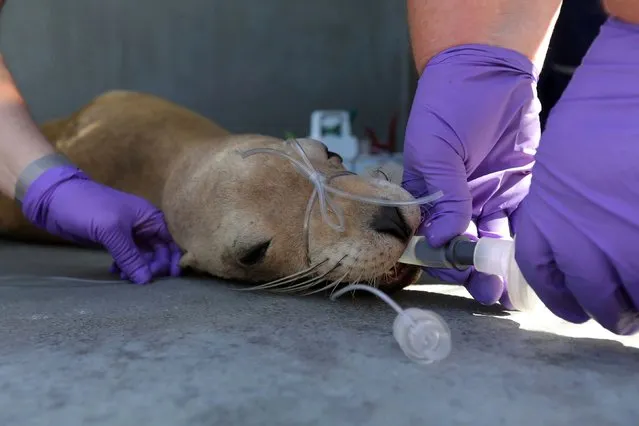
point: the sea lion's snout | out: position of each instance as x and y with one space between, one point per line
390 220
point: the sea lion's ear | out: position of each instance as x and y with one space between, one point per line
188 261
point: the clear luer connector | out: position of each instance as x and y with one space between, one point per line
422 335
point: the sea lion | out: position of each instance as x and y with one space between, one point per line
235 217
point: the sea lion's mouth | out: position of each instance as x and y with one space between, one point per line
399 276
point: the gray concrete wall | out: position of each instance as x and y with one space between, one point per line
252 65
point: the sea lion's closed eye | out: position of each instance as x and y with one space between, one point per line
255 254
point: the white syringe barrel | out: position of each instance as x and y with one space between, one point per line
497 257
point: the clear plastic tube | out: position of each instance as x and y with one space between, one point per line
57 278
422 335
322 187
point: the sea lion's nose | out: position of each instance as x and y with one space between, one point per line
390 220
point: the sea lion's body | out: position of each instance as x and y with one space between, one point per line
217 204
131 149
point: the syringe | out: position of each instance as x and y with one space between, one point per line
492 256
459 253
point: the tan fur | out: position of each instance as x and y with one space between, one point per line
217 204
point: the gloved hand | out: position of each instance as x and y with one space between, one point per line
472 133
66 202
578 229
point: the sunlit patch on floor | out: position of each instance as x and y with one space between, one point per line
543 322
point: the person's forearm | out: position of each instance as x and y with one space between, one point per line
21 141
521 25
625 10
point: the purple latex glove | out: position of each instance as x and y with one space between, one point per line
472 133
578 229
66 202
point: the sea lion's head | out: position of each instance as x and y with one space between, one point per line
241 213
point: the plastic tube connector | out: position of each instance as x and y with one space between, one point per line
456 254
422 335
496 256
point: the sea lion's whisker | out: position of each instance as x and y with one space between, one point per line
357 281
356 258
311 282
279 283
379 171
332 285
285 280
340 280
301 286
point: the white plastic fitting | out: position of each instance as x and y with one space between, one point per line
497 257
422 335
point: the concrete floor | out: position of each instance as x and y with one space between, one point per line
196 352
